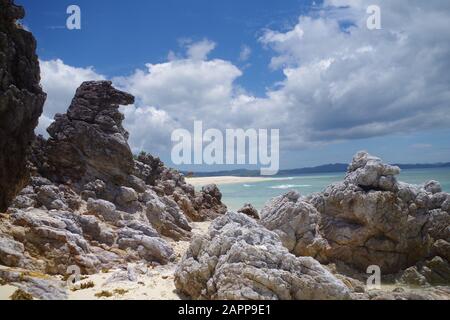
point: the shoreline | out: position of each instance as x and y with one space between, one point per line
223 180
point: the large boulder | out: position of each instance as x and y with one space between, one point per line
297 224
208 202
89 142
238 259
368 219
166 217
21 100
370 173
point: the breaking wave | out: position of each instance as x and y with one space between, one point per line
290 186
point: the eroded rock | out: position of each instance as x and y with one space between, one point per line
239 259
89 142
368 219
21 100
297 224
250 211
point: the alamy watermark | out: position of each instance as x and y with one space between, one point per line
374 19
73 22
235 147
374 281
73 275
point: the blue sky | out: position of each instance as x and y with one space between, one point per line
118 37
282 64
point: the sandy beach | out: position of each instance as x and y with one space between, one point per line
151 283
157 283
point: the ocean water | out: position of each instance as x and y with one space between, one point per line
258 193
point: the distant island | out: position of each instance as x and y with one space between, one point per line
327 168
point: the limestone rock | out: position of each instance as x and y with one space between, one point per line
368 219
412 276
441 248
51 241
433 187
89 142
104 209
422 293
250 211
39 286
11 252
297 224
239 259
148 248
367 171
197 206
209 202
21 100
437 271
166 217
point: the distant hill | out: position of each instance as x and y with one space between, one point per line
327 168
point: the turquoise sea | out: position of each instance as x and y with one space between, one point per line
258 193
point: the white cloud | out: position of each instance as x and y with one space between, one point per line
357 83
339 84
174 94
245 53
200 50
60 82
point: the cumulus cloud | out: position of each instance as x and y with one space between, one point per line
355 83
60 82
341 80
174 94
200 50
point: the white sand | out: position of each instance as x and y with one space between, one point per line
203 181
6 292
156 284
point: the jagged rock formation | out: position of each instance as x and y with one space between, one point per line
368 219
88 150
88 142
90 203
239 259
435 272
197 206
21 100
95 238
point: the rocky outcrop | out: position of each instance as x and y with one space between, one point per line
38 286
431 272
196 206
368 219
239 259
208 202
250 211
51 241
88 151
166 216
297 224
21 100
90 203
89 142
